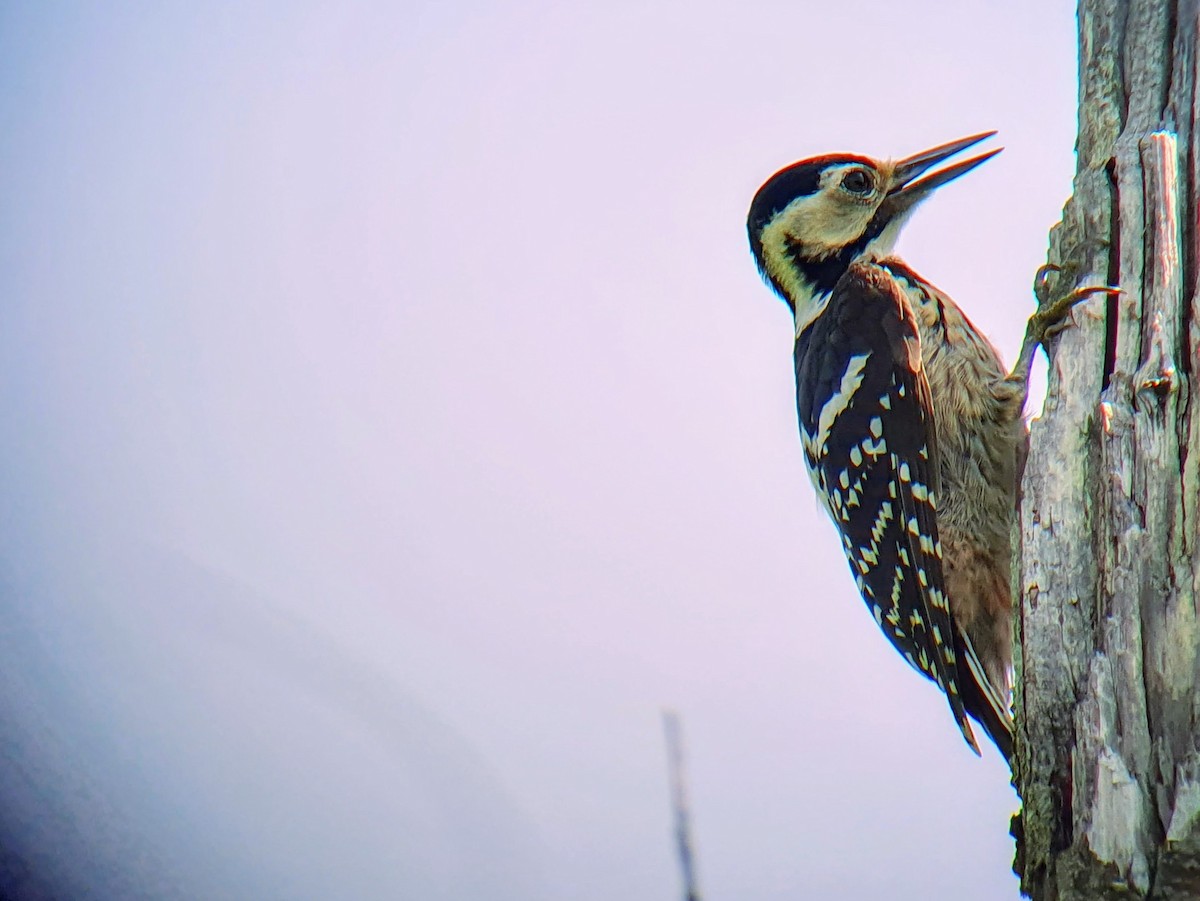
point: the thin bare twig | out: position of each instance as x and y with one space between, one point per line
683 837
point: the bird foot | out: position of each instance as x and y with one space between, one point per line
1051 316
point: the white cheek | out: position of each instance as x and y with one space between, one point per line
829 223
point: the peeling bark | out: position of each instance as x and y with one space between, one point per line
1108 574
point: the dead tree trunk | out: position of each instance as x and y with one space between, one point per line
1108 755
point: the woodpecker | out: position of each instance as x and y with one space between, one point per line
912 429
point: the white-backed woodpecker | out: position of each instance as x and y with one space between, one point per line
911 427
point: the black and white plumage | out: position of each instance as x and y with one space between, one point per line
910 426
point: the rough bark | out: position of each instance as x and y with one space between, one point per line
1108 663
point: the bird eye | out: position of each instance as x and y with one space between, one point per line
856 181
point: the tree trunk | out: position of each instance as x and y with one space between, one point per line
1108 664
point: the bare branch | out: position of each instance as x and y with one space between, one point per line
678 779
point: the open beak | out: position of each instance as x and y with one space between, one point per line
908 188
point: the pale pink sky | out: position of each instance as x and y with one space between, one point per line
394 422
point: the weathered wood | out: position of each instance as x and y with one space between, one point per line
1108 664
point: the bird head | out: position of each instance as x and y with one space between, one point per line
812 219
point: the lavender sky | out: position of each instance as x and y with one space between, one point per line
394 422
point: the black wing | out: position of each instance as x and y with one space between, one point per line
866 420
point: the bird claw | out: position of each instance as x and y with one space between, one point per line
1050 318
1041 282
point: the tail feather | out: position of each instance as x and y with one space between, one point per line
985 702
